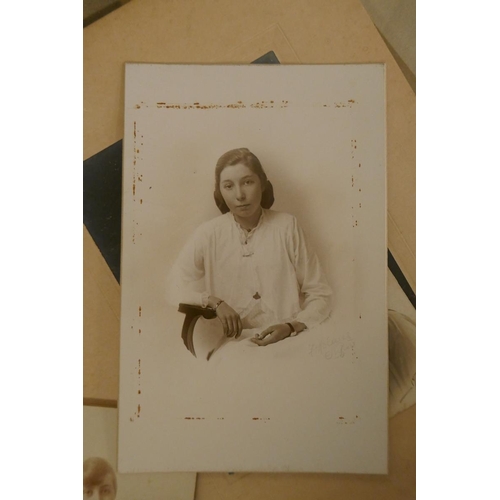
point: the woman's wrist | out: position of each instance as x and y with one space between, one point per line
297 327
214 302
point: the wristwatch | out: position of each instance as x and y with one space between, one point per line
217 305
293 332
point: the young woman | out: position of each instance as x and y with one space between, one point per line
252 265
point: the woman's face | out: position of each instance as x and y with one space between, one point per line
242 191
104 490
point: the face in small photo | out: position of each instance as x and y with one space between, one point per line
99 480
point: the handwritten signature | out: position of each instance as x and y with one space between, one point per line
332 348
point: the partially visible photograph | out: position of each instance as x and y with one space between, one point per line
102 481
99 479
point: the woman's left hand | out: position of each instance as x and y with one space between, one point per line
272 334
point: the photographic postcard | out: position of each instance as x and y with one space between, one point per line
100 478
253 273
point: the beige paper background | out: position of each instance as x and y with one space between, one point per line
101 324
319 31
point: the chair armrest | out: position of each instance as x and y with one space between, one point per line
192 313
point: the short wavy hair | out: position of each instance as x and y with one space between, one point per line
95 470
245 157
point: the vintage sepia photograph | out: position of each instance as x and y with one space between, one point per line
253 273
99 479
102 481
256 258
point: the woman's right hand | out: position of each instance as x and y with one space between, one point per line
230 319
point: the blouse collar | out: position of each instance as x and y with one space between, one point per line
246 233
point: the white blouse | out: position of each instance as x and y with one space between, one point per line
268 275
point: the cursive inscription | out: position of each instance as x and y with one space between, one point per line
332 348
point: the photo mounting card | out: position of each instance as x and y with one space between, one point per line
255 196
